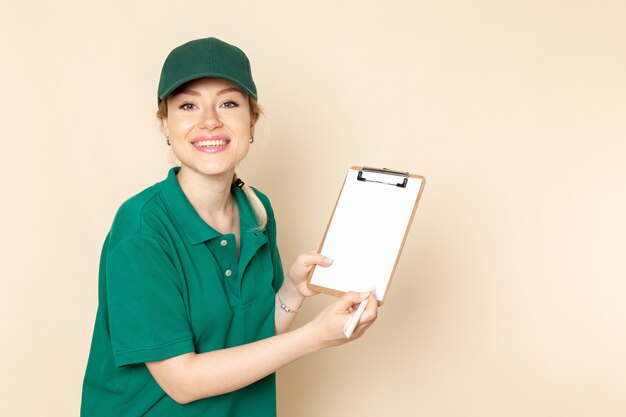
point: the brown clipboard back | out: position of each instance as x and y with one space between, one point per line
391 179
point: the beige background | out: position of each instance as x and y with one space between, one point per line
510 297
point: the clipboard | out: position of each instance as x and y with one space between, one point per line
367 231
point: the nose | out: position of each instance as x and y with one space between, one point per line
210 119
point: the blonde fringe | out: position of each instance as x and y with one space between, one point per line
257 205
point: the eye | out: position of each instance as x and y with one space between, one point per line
230 104
187 106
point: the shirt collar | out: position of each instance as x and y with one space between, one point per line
196 229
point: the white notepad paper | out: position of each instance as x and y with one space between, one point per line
367 232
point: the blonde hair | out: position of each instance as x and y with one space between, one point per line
253 199
255 202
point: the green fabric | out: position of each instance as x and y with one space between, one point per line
209 57
164 291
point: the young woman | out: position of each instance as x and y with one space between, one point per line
194 311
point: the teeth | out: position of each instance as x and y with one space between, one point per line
210 143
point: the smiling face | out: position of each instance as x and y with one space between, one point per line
209 126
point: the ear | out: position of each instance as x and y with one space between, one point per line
165 127
252 127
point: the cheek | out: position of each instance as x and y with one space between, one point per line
240 126
178 126
243 146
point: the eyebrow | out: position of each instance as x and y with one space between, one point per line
224 91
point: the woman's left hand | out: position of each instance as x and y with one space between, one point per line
300 269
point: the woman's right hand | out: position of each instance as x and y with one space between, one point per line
328 325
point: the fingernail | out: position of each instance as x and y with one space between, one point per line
366 294
328 260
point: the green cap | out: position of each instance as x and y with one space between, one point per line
208 57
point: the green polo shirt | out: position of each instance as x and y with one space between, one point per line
170 284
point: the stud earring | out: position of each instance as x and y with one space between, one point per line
252 139
168 141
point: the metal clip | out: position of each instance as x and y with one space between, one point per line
385 171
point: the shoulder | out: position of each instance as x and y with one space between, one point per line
139 215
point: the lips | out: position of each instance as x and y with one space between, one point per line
210 144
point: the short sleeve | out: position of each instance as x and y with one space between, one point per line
276 261
148 317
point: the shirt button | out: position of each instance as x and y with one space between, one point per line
228 272
224 242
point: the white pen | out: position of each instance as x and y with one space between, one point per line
354 320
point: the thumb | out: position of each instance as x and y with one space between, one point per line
348 300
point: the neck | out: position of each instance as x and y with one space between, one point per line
210 196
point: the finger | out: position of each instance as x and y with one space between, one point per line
371 311
309 259
367 321
370 314
360 331
361 328
349 300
